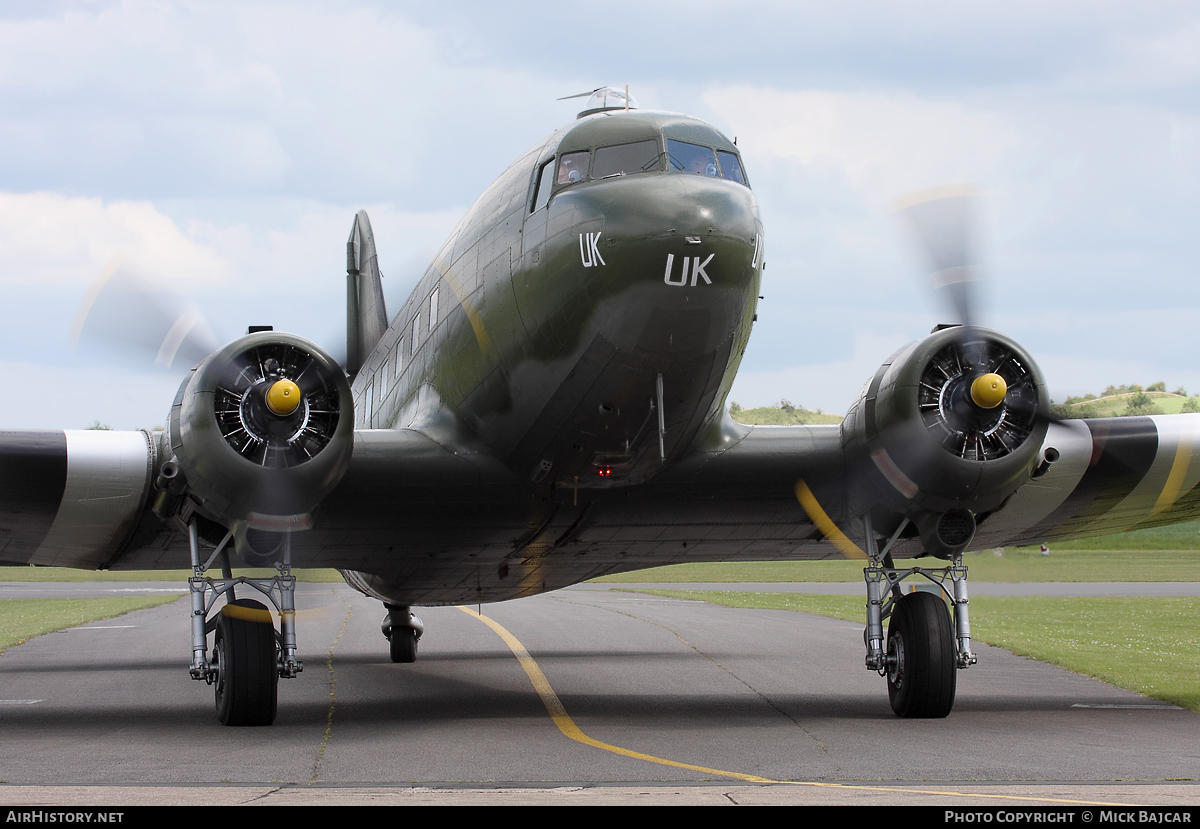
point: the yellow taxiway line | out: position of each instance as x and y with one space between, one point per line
558 713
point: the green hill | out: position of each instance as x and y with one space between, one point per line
1129 400
785 414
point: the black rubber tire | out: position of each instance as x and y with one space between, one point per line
247 686
922 674
403 645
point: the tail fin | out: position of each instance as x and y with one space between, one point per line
366 316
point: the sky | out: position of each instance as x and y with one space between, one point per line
226 147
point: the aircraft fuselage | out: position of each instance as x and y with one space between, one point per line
549 316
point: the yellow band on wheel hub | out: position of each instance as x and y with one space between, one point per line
283 397
988 390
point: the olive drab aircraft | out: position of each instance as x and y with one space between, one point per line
549 405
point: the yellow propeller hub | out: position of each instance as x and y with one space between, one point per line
283 397
988 390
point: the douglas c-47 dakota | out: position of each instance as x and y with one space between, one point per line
549 405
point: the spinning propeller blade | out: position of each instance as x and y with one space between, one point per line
942 223
123 309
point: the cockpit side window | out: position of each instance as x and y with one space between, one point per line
731 167
626 159
545 182
572 167
691 158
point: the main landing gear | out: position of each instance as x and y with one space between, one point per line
925 648
248 656
403 631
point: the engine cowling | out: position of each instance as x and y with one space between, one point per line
946 430
259 433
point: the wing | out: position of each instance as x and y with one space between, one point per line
1109 475
422 508
1113 475
73 498
86 499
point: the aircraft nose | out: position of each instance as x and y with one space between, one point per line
676 257
678 231
656 264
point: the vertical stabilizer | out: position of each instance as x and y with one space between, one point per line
366 316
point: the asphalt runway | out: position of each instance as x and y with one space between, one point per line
661 700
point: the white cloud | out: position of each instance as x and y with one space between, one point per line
48 239
882 145
235 142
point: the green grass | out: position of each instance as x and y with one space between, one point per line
1149 646
66 574
741 571
23 619
1016 564
1158 554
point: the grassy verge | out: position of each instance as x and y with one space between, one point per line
66 574
1159 554
23 619
1149 646
1015 564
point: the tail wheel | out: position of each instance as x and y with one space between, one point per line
247 684
921 670
403 645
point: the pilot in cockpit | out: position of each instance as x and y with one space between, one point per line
572 168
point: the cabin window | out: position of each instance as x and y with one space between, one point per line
383 381
691 158
572 167
545 182
368 405
416 324
399 355
433 317
626 159
731 167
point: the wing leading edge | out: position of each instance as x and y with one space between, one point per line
414 504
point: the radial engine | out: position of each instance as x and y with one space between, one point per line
259 433
943 433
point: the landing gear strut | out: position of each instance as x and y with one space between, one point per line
403 631
924 647
248 656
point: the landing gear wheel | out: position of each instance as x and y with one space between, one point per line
403 645
921 671
247 684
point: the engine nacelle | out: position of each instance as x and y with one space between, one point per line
925 446
260 432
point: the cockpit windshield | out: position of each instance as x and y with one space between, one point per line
685 157
626 159
731 167
640 153
691 158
